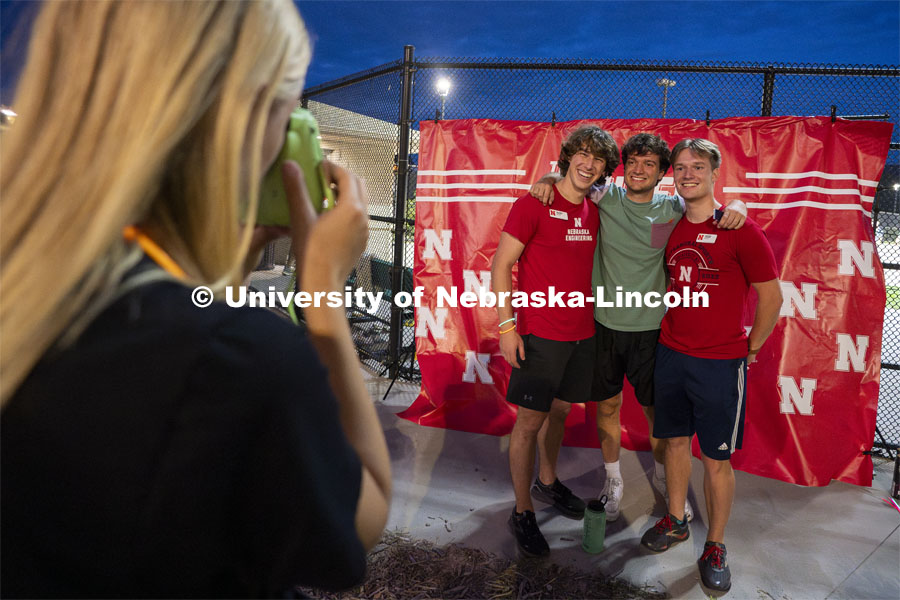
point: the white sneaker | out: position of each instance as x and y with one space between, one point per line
688 510
660 484
613 490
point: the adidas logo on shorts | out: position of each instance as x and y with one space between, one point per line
724 446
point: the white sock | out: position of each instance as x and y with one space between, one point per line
612 470
660 471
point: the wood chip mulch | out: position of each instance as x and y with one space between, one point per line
402 568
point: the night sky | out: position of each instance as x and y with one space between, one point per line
354 36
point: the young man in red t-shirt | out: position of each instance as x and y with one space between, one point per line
702 356
550 348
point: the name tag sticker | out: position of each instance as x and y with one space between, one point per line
559 214
707 238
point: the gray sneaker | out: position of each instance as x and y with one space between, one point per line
714 571
666 533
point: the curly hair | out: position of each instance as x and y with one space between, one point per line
647 143
595 140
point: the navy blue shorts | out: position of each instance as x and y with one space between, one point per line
552 369
703 396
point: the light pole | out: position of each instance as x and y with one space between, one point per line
443 88
665 84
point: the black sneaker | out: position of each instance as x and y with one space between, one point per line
666 533
530 539
560 497
714 569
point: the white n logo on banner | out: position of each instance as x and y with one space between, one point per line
441 244
862 259
426 321
791 395
850 352
476 364
685 275
473 283
804 301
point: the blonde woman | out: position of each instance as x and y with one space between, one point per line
150 447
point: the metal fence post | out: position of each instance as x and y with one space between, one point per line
768 91
400 206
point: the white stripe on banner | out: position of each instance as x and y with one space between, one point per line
798 190
474 172
819 174
509 199
473 186
737 417
808 204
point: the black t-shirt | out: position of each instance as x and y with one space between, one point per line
177 451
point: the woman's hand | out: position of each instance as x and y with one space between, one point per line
327 246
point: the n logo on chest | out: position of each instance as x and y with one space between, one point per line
577 221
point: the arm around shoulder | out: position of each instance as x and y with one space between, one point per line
542 189
734 216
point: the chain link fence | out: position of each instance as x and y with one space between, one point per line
365 119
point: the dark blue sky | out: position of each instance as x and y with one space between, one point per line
353 36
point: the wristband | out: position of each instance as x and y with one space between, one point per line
506 321
513 328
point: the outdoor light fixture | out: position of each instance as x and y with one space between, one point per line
443 89
896 186
665 84
7 116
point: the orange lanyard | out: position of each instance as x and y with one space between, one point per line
152 249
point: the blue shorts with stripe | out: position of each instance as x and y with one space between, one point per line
703 396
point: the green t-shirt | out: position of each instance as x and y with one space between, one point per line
631 254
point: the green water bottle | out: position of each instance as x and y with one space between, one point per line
594 526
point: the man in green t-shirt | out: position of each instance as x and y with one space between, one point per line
635 224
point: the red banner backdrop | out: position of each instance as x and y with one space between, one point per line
810 183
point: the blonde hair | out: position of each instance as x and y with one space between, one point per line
700 147
133 112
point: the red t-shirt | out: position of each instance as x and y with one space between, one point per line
723 263
560 240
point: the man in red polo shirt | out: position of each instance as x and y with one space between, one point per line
703 353
550 347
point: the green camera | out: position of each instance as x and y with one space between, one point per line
301 145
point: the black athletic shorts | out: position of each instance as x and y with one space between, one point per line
551 370
705 395
623 354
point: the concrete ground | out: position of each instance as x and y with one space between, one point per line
785 542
